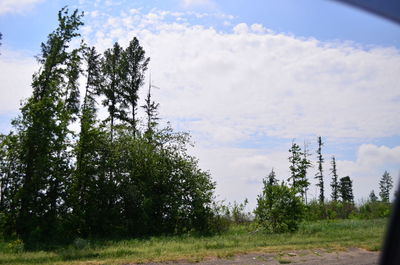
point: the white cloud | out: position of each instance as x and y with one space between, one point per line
16 76
283 86
253 80
193 3
12 6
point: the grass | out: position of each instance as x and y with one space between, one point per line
335 235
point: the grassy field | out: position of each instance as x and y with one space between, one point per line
330 235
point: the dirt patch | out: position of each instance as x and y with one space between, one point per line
352 256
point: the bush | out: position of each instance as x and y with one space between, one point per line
372 210
219 221
279 209
329 210
15 246
80 243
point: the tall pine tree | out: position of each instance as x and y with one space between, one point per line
346 189
134 65
151 110
89 186
385 185
112 85
334 183
295 160
319 175
305 164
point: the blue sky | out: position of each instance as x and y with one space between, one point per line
245 78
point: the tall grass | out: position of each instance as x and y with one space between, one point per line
333 234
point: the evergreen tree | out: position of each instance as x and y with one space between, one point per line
373 197
305 164
134 65
295 160
271 179
346 189
151 110
87 192
385 185
111 87
278 208
334 183
43 129
319 175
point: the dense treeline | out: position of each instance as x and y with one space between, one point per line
114 177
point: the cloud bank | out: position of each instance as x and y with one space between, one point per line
229 86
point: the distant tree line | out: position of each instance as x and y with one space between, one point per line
121 176
281 206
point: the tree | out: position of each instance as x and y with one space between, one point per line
373 197
11 178
1 36
385 185
299 164
134 64
294 160
271 179
305 164
319 175
346 190
151 110
278 208
334 183
43 128
112 83
87 192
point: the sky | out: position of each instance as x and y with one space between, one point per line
245 78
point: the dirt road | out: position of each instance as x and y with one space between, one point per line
352 256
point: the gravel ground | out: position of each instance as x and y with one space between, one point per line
353 256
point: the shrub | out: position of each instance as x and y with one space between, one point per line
219 221
371 210
80 243
16 246
278 208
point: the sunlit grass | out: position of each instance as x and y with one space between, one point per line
336 235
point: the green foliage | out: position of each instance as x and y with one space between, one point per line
115 178
15 246
294 160
319 175
329 210
372 197
334 183
299 164
133 66
346 190
385 185
239 214
220 221
80 243
43 163
374 209
278 208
